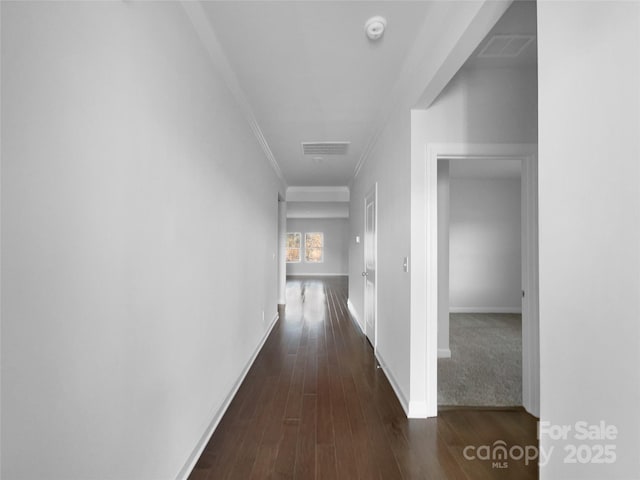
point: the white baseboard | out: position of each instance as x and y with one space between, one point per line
417 410
193 458
394 384
444 353
392 380
354 314
485 309
317 274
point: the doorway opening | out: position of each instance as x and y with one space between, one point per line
527 155
479 282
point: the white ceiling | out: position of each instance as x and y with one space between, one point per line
308 73
519 19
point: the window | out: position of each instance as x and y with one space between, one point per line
293 247
313 247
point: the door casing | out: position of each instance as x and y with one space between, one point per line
424 276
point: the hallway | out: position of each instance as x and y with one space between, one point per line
314 405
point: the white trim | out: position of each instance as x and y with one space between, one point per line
317 274
431 360
530 285
217 416
406 406
424 214
485 309
444 353
354 313
394 384
205 32
418 410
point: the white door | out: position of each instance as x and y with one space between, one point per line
370 260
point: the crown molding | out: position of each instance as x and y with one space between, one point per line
205 32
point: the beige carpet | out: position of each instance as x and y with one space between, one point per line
485 368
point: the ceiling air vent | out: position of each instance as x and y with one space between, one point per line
505 46
325 148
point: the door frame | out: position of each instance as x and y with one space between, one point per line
372 194
425 278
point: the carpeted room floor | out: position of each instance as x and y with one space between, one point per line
485 368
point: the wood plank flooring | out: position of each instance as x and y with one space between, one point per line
315 406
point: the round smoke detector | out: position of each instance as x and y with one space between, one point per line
374 27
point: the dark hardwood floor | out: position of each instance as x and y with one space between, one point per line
315 405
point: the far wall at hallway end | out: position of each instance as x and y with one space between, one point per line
336 241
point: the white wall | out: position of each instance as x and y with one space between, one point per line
336 248
589 185
482 105
389 167
400 341
485 244
126 318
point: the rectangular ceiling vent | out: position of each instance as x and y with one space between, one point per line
505 46
325 148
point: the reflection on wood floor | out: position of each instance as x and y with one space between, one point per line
314 405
